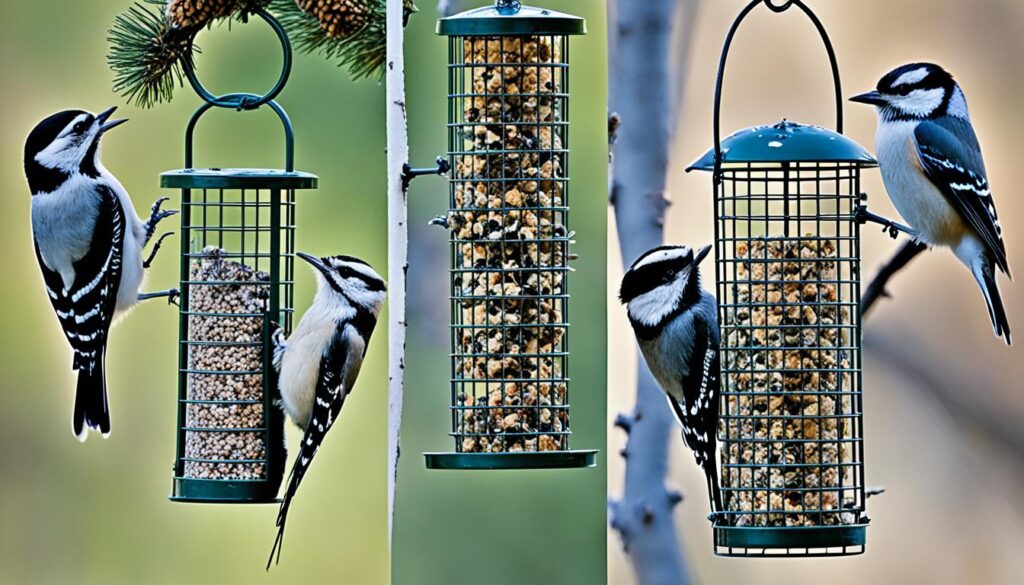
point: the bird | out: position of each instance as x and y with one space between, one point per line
318 363
675 322
88 242
932 168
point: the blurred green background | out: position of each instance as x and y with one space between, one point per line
502 527
98 513
952 461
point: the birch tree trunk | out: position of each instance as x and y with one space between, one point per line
645 87
398 239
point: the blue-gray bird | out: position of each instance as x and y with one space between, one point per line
318 364
676 326
88 242
933 170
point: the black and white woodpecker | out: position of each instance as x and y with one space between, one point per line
89 243
933 170
676 327
318 364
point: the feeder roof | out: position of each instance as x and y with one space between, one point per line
503 21
786 142
237 179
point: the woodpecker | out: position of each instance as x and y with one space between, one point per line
932 167
676 326
318 364
88 242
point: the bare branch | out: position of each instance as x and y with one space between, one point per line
644 84
398 238
876 289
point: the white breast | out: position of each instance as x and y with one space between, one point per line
917 200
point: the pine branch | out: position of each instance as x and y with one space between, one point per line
146 53
353 35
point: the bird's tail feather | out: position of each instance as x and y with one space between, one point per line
91 410
714 493
986 278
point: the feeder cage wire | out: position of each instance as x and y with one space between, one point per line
508 135
788 268
237 262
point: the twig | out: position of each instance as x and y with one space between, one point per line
643 86
877 289
398 238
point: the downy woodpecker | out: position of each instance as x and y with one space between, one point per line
676 327
89 242
933 170
318 364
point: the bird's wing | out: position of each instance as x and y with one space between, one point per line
699 411
86 309
339 367
951 158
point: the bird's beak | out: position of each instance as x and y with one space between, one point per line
103 117
701 254
872 98
314 261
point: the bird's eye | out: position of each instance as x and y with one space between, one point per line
670 273
80 127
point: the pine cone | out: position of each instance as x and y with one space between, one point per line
196 13
338 18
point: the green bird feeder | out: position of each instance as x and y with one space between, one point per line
508 133
237 262
787 241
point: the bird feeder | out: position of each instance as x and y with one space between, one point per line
508 131
787 242
237 262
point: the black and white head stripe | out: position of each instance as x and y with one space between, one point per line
62 145
919 91
659 284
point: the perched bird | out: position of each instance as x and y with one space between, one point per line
318 364
89 243
676 327
933 170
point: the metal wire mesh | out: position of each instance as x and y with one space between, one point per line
508 128
236 286
788 273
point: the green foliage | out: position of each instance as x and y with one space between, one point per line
146 53
363 53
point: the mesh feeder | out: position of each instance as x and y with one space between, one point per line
508 131
237 261
787 242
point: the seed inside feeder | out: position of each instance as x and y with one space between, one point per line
510 248
225 435
787 394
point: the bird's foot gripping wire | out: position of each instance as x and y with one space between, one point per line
156 215
717 518
172 295
155 249
893 228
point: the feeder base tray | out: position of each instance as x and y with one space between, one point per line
520 460
790 541
214 491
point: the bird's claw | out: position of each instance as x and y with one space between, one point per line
156 215
156 248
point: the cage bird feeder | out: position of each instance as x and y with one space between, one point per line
237 261
508 132
787 201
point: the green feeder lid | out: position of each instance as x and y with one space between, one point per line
509 20
786 142
237 179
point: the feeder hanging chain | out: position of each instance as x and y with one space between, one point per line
409 173
893 228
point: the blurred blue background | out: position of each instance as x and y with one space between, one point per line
502 527
98 513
